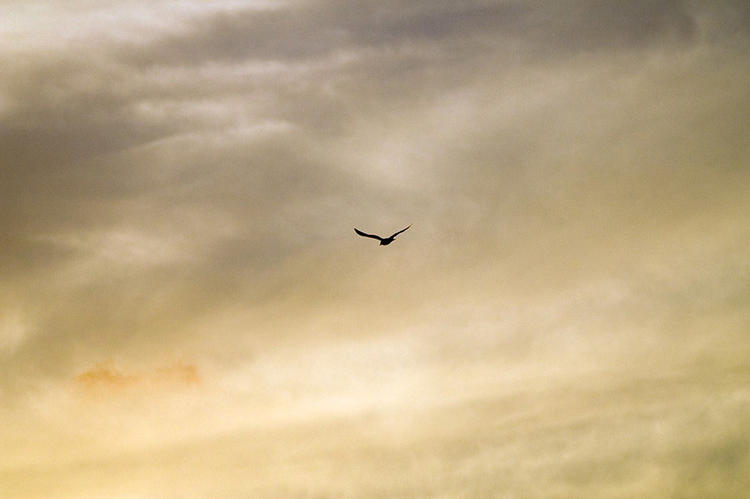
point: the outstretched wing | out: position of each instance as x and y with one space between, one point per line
399 232
367 235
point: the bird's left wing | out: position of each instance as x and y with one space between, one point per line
364 234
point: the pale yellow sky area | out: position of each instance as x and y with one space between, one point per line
186 311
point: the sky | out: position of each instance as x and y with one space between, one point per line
186 311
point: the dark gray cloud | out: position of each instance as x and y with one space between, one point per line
312 30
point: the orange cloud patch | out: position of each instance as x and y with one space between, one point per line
106 378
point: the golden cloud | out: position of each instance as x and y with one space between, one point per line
105 378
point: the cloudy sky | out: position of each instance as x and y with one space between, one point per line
185 310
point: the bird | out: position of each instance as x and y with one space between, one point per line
384 241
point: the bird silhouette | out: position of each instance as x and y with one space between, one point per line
384 241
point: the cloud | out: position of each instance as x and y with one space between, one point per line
104 379
160 151
323 28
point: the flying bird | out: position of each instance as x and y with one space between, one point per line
384 241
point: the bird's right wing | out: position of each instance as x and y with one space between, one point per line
364 234
399 232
